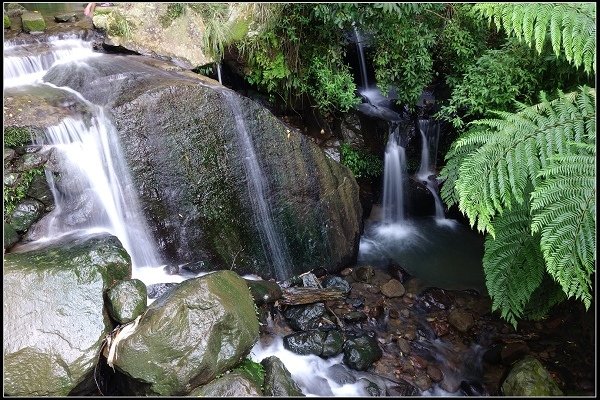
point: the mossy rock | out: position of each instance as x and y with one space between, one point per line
278 380
33 22
10 236
234 384
126 300
6 22
528 377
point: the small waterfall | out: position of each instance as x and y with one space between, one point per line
394 174
95 191
361 55
274 247
425 169
219 73
25 65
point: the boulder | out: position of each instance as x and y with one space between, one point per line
278 380
10 236
15 9
126 300
303 343
33 22
264 292
54 320
188 164
304 317
528 377
187 337
360 352
25 214
65 17
234 384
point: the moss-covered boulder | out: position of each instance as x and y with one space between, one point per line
361 351
33 22
14 9
25 214
188 163
187 337
54 320
10 236
278 380
127 300
528 377
234 384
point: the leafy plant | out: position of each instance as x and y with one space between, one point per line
253 370
362 164
118 25
572 27
14 137
528 180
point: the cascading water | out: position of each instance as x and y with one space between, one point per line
361 55
394 174
273 245
94 191
425 172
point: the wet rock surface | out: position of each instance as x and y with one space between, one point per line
433 341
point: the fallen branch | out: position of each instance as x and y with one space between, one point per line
307 295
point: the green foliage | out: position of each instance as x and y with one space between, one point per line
571 26
334 87
253 370
493 83
14 195
118 25
174 11
528 180
14 137
402 59
362 164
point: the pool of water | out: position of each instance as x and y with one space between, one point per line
440 252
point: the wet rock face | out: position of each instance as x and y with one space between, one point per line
278 380
54 320
190 335
126 300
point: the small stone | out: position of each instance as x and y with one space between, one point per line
461 320
405 313
403 344
67 17
434 373
393 288
418 361
422 381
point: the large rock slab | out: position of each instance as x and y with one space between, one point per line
187 337
54 320
187 162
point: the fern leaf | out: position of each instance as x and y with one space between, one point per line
570 27
513 263
546 296
563 209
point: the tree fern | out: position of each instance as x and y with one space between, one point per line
512 263
571 27
512 149
547 295
564 207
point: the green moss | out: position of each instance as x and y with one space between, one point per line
253 371
118 25
6 22
13 195
14 137
174 11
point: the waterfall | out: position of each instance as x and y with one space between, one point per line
219 73
273 245
425 170
94 190
394 174
27 64
361 55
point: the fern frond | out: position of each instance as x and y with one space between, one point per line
546 296
513 263
564 211
572 27
509 152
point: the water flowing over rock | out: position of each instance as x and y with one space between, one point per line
54 320
187 337
188 167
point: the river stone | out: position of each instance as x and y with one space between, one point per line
33 22
303 343
278 380
527 378
333 344
30 161
10 236
393 288
336 282
25 214
54 320
126 300
190 335
234 384
191 178
461 320
264 292
304 317
361 352
66 17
